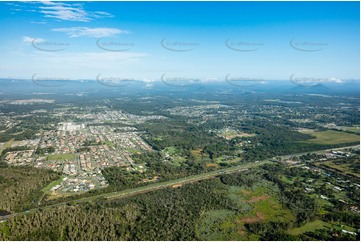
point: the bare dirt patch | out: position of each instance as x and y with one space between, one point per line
259 198
246 192
229 136
176 185
241 232
249 220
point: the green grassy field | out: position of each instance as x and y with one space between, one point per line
332 137
265 207
61 157
259 204
108 143
355 129
288 180
318 224
52 184
345 168
6 145
255 206
310 226
133 151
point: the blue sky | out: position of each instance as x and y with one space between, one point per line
203 40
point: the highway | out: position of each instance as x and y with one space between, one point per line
162 185
145 189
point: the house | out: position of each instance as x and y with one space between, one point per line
349 232
337 188
324 197
354 209
307 189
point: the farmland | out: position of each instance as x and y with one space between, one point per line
349 166
332 137
353 129
310 226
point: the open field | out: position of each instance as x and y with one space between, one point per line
52 184
46 190
332 137
108 143
265 207
287 179
6 145
354 129
257 204
230 134
350 168
212 165
197 154
133 151
318 224
310 226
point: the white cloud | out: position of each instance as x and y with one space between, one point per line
336 80
38 22
70 12
89 32
99 14
30 40
11 4
65 13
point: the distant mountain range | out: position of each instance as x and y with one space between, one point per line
22 86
